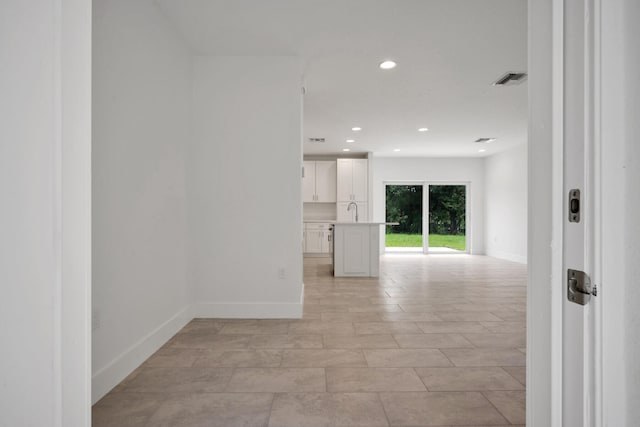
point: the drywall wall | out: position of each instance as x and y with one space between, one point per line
45 143
433 170
618 290
506 204
141 125
245 200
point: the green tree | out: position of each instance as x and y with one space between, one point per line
404 205
447 206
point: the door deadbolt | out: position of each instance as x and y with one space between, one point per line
574 205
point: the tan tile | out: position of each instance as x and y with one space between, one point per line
497 340
485 356
325 308
373 380
254 329
517 372
240 358
504 327
285 341
205 326
323 358
179 380
468 316
327 410
450 327
350 317
515 316
214 410
278 380
197 340
379 308
360 341
377 328
512 404
467 379
409 317
173 358
430 409
315 327
405 358
427 308
431 341
125 409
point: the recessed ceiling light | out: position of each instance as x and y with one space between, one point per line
350 140
346 149
356 129
423 129
482 150
396 149
388 65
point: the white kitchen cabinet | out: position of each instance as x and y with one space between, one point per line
319 182
352 177
318 238
357 249
350 216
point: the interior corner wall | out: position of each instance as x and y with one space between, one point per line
244 182
506 204
434 170
142 77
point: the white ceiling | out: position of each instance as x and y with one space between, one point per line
448 54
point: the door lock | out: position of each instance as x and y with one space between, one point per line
579 287
574 205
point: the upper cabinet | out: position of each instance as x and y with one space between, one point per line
352 180
319 182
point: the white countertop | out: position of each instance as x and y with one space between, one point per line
366 223
320 221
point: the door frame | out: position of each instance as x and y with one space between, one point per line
546 213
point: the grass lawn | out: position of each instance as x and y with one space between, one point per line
435 240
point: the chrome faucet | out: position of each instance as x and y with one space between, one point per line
349 208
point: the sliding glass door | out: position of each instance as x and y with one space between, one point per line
447 218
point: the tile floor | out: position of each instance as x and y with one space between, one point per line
435 341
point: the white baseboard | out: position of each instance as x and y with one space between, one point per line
507 256
257 310
109 376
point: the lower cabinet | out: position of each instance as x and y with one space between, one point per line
318 238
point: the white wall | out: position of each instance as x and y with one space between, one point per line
45 82
506 204
434 170
618 284
141 112
245 202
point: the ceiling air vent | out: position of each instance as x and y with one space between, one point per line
315 140
485 140
510 79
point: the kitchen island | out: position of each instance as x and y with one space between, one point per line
357 249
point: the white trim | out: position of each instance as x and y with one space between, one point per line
557 212
248 310
112 374
507 256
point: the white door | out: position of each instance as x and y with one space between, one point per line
313 241
309 182
578 334
345 180
360 178
326 181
